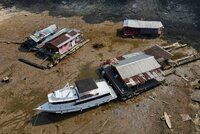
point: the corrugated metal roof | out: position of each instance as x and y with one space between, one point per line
142 24
60 39
158 52
135 64
64 38
39 35
141 78
64 30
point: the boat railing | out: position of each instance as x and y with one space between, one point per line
67 85
99 80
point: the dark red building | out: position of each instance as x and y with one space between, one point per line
138 27
63 42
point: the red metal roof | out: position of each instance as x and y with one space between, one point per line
158 52
58 40
72 33
141 78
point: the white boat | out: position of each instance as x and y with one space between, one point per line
85 94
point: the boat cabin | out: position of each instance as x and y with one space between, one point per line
84 88
64 42
41 35
66 94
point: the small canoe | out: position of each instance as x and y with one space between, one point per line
167 120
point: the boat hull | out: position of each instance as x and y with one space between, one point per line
76 106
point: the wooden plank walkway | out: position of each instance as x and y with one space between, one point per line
187 60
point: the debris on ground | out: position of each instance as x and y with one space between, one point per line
151 97
196 120
187 59
169 72
10 42
195 84
174 46
103 125
166 118
97 45
195 72
165 102
32 64
5 79
195 96
183 76
185 117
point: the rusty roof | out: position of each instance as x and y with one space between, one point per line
72 33
64 38
141 78
158 52
135 64
136 68
58 40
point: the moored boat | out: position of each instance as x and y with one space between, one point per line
84 94
39 37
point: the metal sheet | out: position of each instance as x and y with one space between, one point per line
142 24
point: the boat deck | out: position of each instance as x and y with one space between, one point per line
86 85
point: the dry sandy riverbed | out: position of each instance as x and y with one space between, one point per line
29 86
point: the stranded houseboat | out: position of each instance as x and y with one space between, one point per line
40 36
85 94
133 28
132 74
62 45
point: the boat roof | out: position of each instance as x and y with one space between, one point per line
135 64
43 33
86 85
69 93
64 30
64 38
65 94
142 24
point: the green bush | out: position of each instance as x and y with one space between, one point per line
55 57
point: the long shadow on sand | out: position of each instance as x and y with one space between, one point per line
49 118
120 34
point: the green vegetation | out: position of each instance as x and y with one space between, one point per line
55 57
